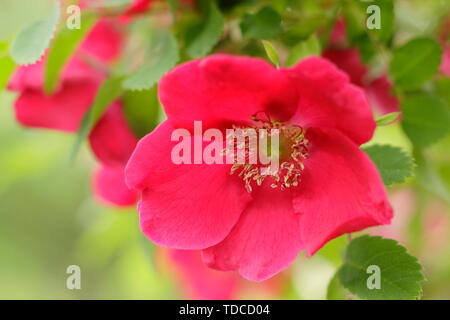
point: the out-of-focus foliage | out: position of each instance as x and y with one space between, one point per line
426 119
162 56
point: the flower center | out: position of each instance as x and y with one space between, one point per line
285 145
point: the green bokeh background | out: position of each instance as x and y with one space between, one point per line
50 220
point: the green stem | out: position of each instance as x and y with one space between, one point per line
416 225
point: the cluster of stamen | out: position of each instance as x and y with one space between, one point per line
291 157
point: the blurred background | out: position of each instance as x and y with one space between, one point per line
49 218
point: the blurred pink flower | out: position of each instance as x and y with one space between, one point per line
436 229
135 6
445 42
338 33
111 139
378 90
64 109
113 142
203 207
138 6
403 202
435 223
445 66
197 281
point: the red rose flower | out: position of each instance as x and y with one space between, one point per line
112 142
259 233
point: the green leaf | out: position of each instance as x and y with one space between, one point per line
62 49
7 65
355 20
306 17
30 44
142 110
387 18
335 289
400 273
415 63
307 48
443 89
264 24
162 56
357 17
388 119
394 165
426 119
271 52
109 91
208 33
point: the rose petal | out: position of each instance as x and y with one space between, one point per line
340 190
445 65
27 77
349 61
264 241
104 42
187 206
111 139
379 93
223 88
62 111
338 34
109 187
327 99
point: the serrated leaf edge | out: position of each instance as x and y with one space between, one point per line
52 37
404 250
413 163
